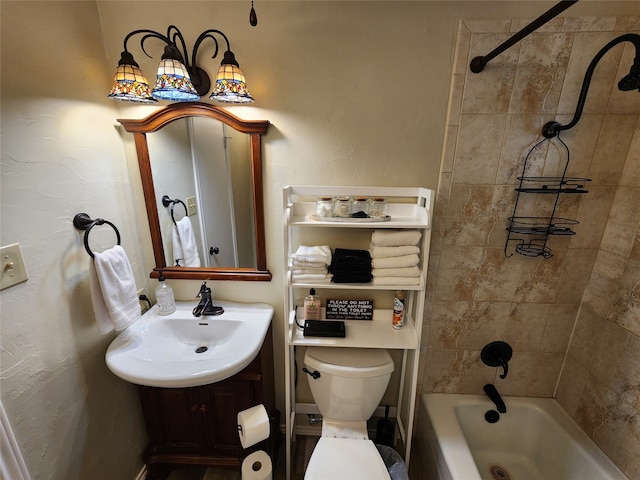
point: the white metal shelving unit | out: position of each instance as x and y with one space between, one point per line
409 208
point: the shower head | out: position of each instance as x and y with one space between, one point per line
631 81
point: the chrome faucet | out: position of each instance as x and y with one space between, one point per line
206 306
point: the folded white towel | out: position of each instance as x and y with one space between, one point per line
113 290
396 281
396 262
394 238
311 277
396 272
303 271
399 251
185 249
293 263
313 254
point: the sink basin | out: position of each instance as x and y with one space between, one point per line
180 350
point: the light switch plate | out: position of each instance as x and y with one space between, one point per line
13 268
192 206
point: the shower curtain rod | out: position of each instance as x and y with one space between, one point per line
478 63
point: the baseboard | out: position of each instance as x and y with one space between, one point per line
142 474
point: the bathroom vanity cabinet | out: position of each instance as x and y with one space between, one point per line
408 208
197 425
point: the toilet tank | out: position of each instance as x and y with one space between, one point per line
352 381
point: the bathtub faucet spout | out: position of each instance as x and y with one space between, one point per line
495 397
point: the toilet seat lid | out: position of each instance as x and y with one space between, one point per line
350 362
346 459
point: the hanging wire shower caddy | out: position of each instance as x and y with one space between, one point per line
532 232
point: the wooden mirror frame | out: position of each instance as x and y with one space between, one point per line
255 129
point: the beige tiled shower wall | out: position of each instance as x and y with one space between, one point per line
573 320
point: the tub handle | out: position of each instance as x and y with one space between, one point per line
315 374
497 354
505 370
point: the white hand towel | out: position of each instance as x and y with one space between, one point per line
394 238
396 272
399 251
317 253
396 281
396 262
185 249
113 290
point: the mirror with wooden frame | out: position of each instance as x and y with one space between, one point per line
201 162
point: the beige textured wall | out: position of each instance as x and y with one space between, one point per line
477 294
62 154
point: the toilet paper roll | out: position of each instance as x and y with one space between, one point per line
253 425
257 466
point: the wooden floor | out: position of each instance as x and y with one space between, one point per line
301 453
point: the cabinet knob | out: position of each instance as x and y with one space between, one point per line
203 408
194 408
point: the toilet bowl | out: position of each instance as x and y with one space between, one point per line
347 385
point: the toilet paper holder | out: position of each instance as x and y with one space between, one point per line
253 427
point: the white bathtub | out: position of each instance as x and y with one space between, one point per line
534 440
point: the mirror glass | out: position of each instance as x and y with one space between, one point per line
204 167
201 174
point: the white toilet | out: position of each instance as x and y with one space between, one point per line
348 389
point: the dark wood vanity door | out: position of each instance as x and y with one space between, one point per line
174 418
225 399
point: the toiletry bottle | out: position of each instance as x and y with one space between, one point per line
312 306
164 297
397 321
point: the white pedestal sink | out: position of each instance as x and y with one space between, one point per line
180 350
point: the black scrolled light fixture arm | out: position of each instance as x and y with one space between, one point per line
553 128
154 34
199 77
208 34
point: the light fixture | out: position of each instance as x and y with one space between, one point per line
130 84
230 86
631 81
173 81
177 78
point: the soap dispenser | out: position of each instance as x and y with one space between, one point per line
164 297
312 306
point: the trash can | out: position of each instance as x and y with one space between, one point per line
394 463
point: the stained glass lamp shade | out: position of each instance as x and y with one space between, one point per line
173 81
230 86
129 83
